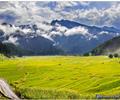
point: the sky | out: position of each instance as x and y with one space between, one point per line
89 13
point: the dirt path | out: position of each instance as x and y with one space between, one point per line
6 91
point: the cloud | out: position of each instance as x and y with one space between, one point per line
37 12
62 5
60 30
8 30
76 30
12 40
100 17
8 16
54 33
103 32
44 27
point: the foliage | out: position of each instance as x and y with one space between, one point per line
110 56
116 55
4 49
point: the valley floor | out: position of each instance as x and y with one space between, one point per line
62 77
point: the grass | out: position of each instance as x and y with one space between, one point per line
62 77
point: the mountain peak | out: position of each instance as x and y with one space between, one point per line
66 23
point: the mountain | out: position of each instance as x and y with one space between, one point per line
67 23
109 47
57 37
71 24
76 38
21 41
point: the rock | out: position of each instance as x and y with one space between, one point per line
6 91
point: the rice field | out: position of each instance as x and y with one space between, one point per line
62 77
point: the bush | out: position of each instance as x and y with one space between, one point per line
110 56
116 55
86 54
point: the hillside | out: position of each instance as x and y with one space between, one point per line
62 77
109 47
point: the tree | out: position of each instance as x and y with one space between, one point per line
110 56
116 55
4 49
86 54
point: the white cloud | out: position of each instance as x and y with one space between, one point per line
29 10
54 33
7 29
106 33
37 12
61 28
101 17
84 3
80 31
13 40
76 30
103 32
26 31
61 5
47 37
44 26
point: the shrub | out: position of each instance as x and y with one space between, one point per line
110 56
116 55
86 54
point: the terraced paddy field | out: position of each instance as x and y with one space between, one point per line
62 77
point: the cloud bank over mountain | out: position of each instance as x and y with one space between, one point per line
90 13
55 27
